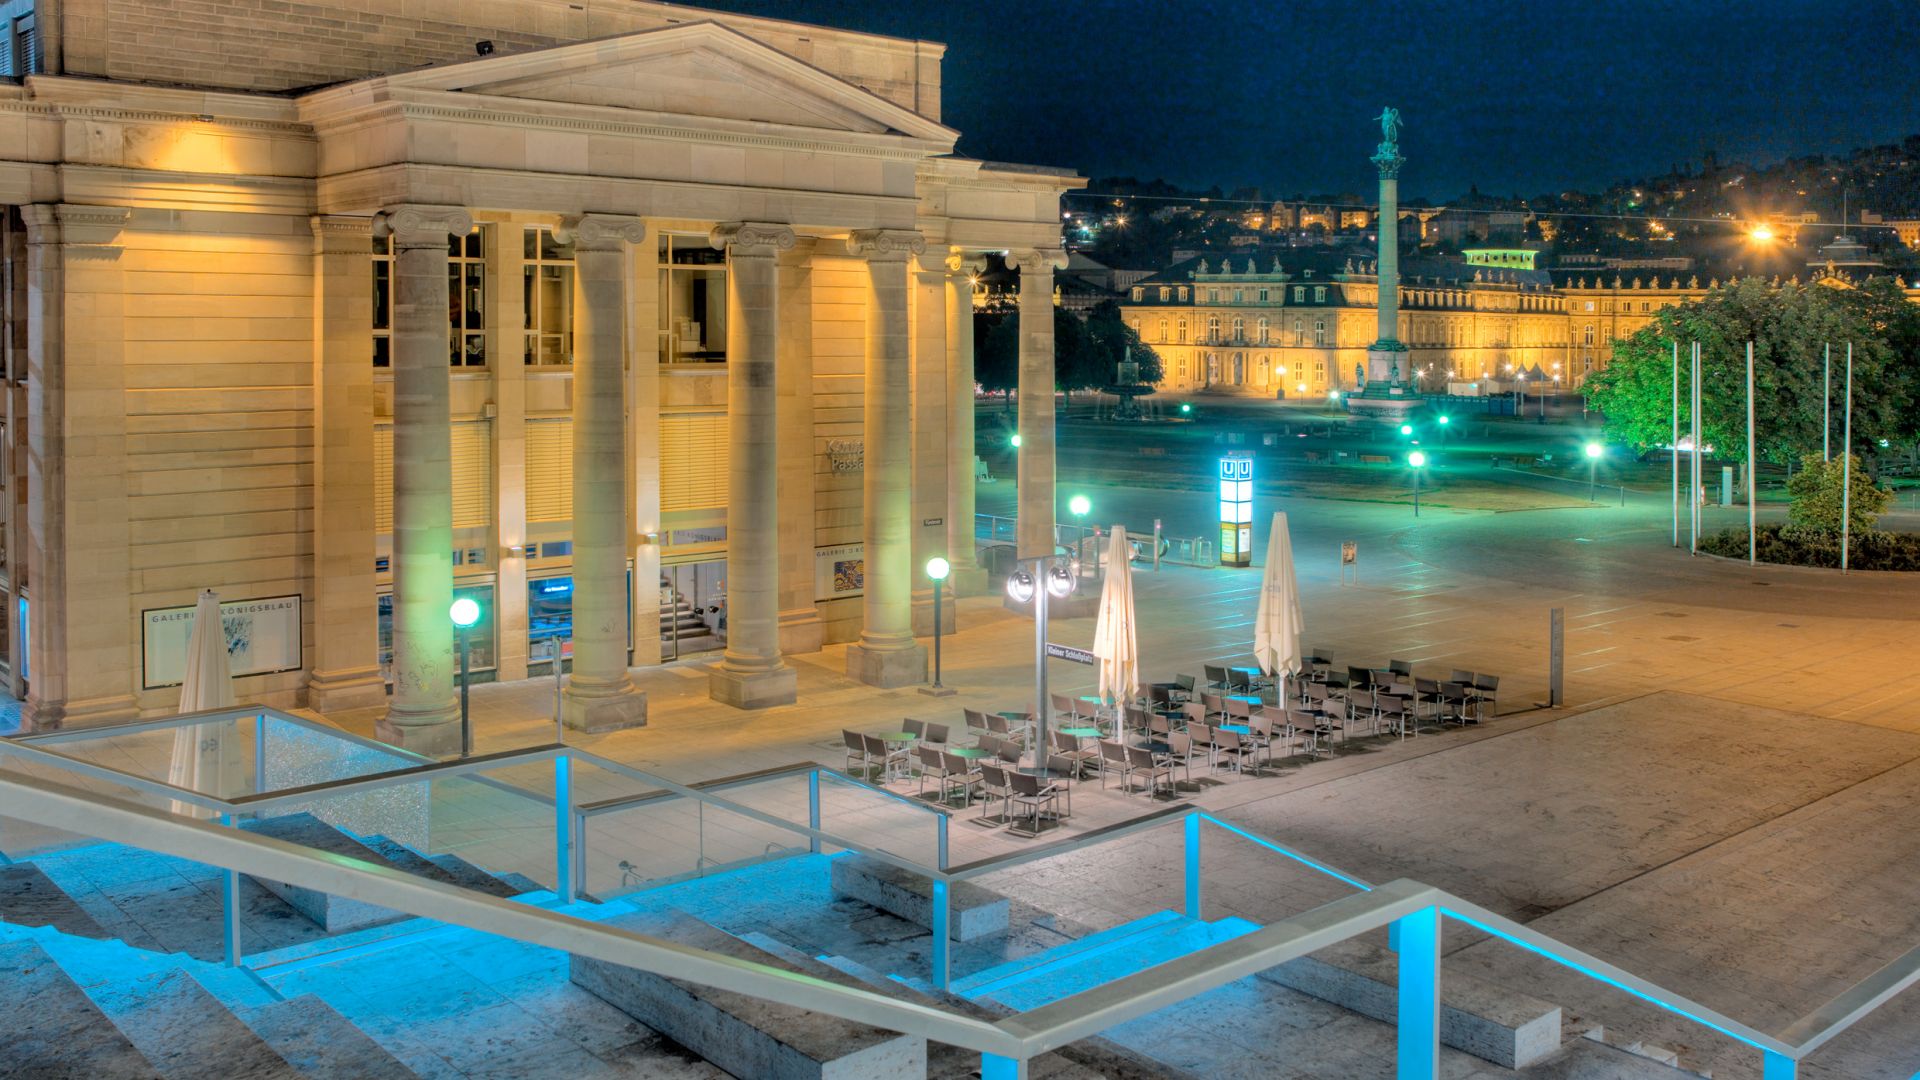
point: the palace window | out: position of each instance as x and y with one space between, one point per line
1138 292
1183 292
1299 331
1213 296
1263 296
1164 291
1299 294
1239 296
1163 331
1183 332
693 301
547 291
1606 306
466 300
1266 334
1213 328
1239 329
1587 335
1320 332
1319 294
1645 307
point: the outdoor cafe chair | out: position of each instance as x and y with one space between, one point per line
1486 691
1260 733
931 765
1032 796
856 748
1063 707
1009 751
1232 748
1179 752
1113 757
887 754
936 734
1313 734
979 721
1158 728
1206 738
1193 712
915 728
1215 705
994 785
1464 678
1401 667
1216 676
1238 681
1457 699
1396 711
1067 747
1140 762
1427 692
1183 685
1238 710
958 774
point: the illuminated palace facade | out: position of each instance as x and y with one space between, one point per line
1299 324
613 319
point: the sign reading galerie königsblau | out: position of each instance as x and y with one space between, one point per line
263 636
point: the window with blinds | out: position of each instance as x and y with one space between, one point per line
472 475
693 461
550 469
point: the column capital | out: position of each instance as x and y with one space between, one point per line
341 234
752 238
886 245
1034 260
962 263
70 223
415 226
600 232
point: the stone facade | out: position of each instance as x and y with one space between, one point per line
564 313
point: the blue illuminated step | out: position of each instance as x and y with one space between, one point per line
976 985
93 963
1057 976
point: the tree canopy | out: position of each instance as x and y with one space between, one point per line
1790 326
1086 355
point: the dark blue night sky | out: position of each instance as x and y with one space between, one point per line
1518 98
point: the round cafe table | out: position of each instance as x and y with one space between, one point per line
970 753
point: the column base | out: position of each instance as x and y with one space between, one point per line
339 691
753 689
38 715
603 712
887 668
433 738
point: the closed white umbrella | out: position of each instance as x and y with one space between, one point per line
1114 637
1277 626
206 757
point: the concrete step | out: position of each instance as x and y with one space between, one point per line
982 980
468 876
51 1030
334 914
186 1032
1641 1048
28 897
745 1036
1588 1059
321 1043
90 963
974 912
1507 1028
1054 979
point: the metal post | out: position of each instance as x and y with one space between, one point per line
1676 445
259 754
230 909
1779 1067
563 838
936 634
942 925
1753 472
1040 743
995 1067
1419 991
1846 468
1156 545
1193 866
1592 465
466 724
1556 657
1416 492
1693 497
940 841
813 810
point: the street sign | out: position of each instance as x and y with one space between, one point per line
1069 653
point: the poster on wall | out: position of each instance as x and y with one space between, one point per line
263 636
839 572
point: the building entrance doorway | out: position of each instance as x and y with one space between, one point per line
693 609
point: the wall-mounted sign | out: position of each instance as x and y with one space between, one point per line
929 523
263 637
1236 510
839 571
847 455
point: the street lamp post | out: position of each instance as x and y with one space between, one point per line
937 569
1051 575
1594 451
465 612
1417 459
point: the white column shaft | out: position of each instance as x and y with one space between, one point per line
886 486
960 437
1034 529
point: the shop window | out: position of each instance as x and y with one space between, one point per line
547 295
482 654
550 619
466 300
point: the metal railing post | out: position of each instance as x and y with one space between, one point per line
1193 866
563 838
259 753
995 1067
813 810
942 919
1779 1067
1418 941
230 909
940 831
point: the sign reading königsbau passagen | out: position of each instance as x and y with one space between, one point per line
263 637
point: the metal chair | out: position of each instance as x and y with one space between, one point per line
994 785
1140 762
958 773
856 748
1032 796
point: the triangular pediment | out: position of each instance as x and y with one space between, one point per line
700 70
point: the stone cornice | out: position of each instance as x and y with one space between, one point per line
600 232
414 225
341 234
1038 259
886 245
73 225
58 111
752 238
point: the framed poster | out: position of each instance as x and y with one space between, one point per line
839 572
263 637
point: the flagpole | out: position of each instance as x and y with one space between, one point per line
1675 442
1753 541
1846 469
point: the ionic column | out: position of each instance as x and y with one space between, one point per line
1034 528
967 576
423 714
887 654
346 650
751 675
600 696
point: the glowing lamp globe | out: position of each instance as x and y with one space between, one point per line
1593 449
1020 586
1080 505
938 568
1417 459
465 612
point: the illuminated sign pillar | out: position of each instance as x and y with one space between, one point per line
1236 511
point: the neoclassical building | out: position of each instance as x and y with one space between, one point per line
1262 326
609 318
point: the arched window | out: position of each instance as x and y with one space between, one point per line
1586 334
1183 332
1239 369
1163 331
1265 332
1239 328
1299 331
1213 328
1320 332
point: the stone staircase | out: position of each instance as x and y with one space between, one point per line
680 622
105 971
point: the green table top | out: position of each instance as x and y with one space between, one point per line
1012 715
896 736
968 752
1082 732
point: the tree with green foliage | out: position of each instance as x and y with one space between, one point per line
1790 326
996 352
1817 496
1086 355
